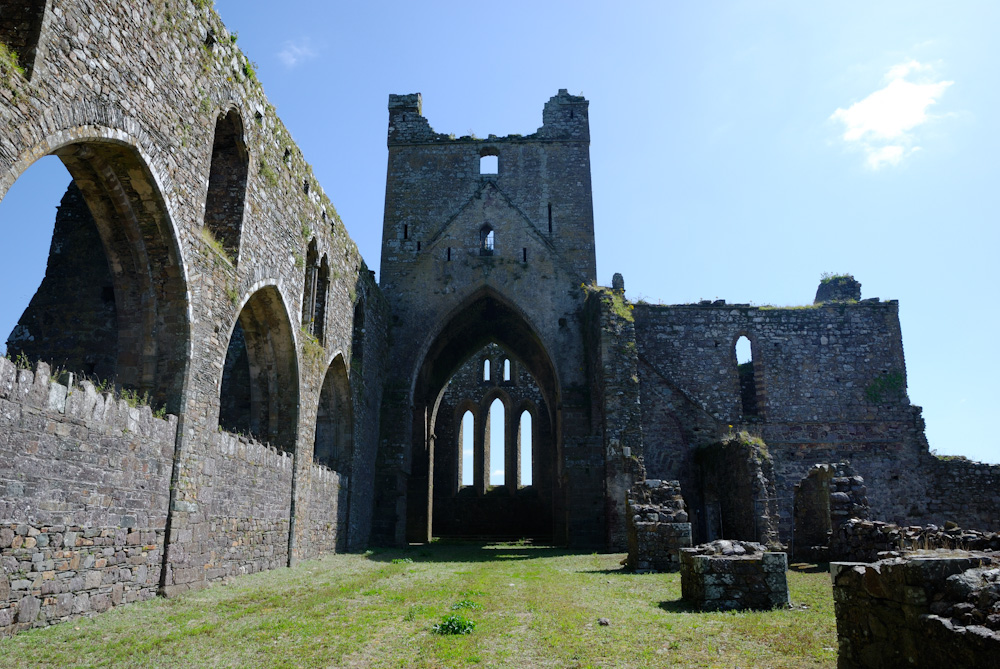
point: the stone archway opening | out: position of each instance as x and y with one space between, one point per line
259 390
112 304
442 498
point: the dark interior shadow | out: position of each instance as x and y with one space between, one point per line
461 551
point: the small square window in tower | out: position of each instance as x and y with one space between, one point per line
489 164
486 241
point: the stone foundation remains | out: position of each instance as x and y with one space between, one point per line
732 575
939 609
867 541
657 526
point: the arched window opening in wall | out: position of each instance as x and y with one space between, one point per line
110 303
466 442
358 335
486 369
227 183
498 443
745 369
20 30
259 390
486 241
334 443
309 286
489 161
506 369
524 446
489 165
319 308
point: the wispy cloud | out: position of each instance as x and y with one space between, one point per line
496 472
883 124
296 52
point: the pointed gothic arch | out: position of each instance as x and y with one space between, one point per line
117 190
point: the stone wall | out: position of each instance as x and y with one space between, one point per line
84 484
867 540
733 575
326 520
830 385
930 610
657 526
961 491
613 370
204 211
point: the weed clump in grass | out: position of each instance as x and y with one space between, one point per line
454 624
403 560
464 604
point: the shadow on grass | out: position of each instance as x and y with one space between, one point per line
468 551
678 606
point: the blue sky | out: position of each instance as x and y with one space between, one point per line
739 149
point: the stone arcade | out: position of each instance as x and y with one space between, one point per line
197 263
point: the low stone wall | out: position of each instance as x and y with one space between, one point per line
926 610
657 526
327 511
961 491
732 575
867 541
232 511
84 489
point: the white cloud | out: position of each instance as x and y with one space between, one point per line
496 472
883 124
296 52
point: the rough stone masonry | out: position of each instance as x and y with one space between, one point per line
295 407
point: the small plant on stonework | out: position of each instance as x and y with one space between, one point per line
885 387
8 59
454 624
213 243
827 277
20 360
249 71
269 176
235 35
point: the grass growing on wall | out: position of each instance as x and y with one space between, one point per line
530 606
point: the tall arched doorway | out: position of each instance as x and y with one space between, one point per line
449 381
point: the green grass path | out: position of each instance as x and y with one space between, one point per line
533 607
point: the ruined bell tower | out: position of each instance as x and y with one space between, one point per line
488 241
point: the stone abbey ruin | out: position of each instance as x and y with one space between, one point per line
298 408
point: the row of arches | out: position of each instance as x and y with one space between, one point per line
113 305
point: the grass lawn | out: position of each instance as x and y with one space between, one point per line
533 607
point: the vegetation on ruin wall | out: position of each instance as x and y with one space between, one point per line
827 277
885 388
8 60
530 607
101 386
619 305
